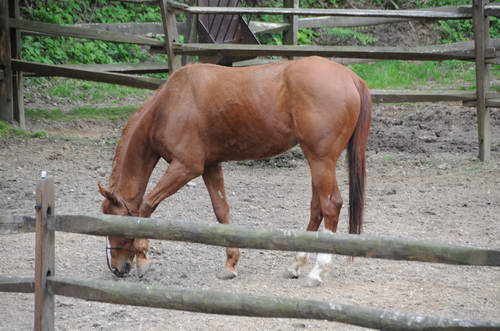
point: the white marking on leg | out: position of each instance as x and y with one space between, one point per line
322 267
301 259
221 195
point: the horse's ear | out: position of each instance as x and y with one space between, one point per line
107 194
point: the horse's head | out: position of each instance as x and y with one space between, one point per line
120 252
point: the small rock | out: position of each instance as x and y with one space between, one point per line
391 191
444 166
299 326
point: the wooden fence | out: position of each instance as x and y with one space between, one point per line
46 284
482 50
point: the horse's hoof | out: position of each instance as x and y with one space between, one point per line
226 274
291 273
312 282
142 269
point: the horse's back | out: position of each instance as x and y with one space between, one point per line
257 112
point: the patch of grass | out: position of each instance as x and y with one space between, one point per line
8 130
473 169
395 74
390 157
109 113
91 91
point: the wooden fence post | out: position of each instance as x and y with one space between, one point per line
6 104
17 78
171 35
481 41
44 257
290 36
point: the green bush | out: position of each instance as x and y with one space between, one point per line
459 30
71 50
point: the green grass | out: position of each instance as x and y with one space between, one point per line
109 113
78 90
395 74
92 91
390 157
8 130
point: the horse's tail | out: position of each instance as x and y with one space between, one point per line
356 159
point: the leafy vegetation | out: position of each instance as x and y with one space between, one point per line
459 30
71 50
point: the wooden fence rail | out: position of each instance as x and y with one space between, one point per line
58 30
287 240
223 303
410 14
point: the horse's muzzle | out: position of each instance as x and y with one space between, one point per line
122 273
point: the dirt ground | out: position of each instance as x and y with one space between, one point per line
424 182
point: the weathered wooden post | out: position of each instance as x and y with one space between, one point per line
290 36
6 98
191 35
44 256
481 42
171 35
17 77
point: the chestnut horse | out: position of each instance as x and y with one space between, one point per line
206 114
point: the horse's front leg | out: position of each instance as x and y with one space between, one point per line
176 176
214 181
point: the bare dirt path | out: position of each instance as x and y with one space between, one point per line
424 183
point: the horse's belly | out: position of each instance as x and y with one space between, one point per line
251 146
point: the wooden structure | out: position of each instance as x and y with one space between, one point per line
46 285
223 29
483 50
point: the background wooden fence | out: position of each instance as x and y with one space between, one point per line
46 284
482 50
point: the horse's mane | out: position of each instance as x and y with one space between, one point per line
127 131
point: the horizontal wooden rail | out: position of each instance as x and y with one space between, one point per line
335 21
215 302
11 224
96 76
395 96
492 10
464 13
286 240
77 32
129 68
386 53
492 103
17 284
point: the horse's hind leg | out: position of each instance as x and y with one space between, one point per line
302 258
330 201
214 181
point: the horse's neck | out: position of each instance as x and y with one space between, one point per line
134 160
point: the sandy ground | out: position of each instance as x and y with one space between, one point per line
424 182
